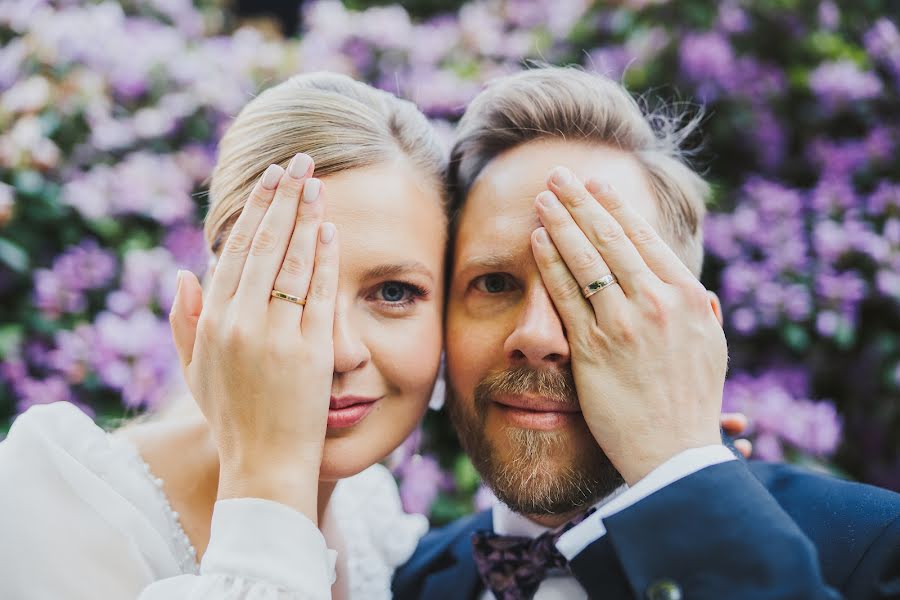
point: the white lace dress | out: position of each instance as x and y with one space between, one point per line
82 517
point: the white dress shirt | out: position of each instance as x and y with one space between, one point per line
574 541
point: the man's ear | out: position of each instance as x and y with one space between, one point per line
716 306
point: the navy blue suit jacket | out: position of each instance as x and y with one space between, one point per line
735 530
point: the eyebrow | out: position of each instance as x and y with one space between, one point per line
496 260
393 270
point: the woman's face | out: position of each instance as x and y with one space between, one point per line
387 328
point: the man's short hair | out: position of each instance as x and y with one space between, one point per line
570 104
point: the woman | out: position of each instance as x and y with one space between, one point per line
311 355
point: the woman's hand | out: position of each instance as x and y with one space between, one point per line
648 354
261 367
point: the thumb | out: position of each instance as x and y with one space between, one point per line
185 313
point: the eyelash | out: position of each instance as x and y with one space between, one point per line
414 291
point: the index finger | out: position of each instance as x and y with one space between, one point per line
601 229
655 252
230 265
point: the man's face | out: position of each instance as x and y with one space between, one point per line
512 396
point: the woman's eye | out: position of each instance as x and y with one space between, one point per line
394 291
493 283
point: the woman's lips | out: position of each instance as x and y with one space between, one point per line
347 411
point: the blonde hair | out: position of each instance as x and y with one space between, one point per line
341 123
567 103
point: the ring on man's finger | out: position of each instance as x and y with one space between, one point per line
288 297
599 285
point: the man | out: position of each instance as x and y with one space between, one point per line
586 365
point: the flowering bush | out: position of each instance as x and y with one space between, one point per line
110 113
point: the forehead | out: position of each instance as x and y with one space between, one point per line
383 212
499 210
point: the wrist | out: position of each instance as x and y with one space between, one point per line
292 483
641 464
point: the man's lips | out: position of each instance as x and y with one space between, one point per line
536 404
537 412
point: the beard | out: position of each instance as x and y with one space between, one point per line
545 472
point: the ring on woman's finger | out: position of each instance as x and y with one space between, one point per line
599 285
288 297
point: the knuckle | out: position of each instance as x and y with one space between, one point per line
238 336
569 289
581 200
621 331
657 307
237 243
295 265
643 235
609 231
261 198
264 242
587 260
320 290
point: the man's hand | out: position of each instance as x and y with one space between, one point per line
648 354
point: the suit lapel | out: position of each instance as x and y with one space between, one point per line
459 577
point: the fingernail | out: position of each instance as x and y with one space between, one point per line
599 187
311 190
548 199
272 176
561 176
326 232
541 236
299 166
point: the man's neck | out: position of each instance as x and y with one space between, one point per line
554 521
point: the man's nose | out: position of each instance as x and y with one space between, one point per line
539 339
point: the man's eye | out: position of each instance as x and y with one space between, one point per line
493 283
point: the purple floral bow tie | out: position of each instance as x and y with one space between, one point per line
513 567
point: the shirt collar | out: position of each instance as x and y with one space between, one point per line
507 522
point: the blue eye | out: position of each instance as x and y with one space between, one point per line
394 291
398 294
493 283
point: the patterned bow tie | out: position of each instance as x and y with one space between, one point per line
513 567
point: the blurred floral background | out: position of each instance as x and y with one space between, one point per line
110 113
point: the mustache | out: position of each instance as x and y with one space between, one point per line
555 384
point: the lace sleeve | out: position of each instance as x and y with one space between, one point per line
378 535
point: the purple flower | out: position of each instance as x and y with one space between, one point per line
841 82
46 391
883 43
708 60
421 480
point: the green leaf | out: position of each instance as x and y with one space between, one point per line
10 338
467 478
14 256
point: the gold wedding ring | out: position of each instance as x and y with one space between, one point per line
288 297
598 285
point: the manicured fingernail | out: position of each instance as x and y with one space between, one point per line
561 176
299 166
311 190
326 232
272 176
548 199
541 236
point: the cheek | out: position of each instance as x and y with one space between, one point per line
407 354
473 349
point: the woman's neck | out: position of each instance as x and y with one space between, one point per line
180 450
